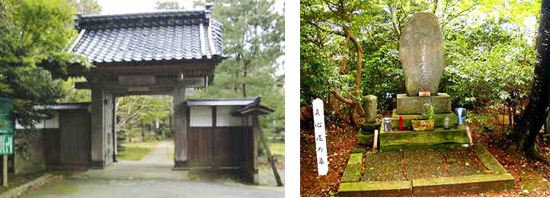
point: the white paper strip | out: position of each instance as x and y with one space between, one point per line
320 136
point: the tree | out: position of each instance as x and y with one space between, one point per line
168 5
86 7
134 113
83 7
536 111
253 36
477 35
33 36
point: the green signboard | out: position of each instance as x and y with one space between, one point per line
6 144
6 122
6 126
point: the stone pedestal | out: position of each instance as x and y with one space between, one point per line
439 119
415 105
454 139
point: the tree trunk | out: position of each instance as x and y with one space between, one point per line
535 113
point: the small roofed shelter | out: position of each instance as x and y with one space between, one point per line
160 53
221 138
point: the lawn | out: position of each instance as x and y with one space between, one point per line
277 148
135 151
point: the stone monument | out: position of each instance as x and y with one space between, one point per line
423 59
366 134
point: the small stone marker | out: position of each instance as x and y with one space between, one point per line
370 102
421 54
320 136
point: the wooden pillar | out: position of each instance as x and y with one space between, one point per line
115 148
98 124
179 127
108 130
101 129
255 135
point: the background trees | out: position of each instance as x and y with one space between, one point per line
253 36
490 51
33 36
484 48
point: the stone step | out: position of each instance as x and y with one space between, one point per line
454 138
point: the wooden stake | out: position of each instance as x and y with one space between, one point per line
4 170
375 141
268 151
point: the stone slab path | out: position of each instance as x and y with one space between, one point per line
423 173
150 177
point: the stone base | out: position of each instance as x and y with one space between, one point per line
415 105
181 164
454 138
439 119
97 164
366 139
369 128
379 184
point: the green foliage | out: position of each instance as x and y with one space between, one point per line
75 95
429 113
86 7
487 63
33 37
168 5
138 113
253 33
488 46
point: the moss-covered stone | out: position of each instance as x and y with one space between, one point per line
473 183
488 160
463 163
369 127
386 188
439 119
359 149
365 139
415 105
355 159
438 138
384 166
351 174
370 106
423 164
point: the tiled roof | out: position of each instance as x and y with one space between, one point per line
148 37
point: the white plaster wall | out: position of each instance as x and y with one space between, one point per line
200 116
224 117
52 123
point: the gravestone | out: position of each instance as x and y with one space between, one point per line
423 59
421 54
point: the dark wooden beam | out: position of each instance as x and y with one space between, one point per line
190 82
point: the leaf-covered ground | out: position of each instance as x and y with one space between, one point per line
341 139
531 177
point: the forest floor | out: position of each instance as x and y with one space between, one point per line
531 176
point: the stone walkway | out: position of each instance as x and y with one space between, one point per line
153 166
150 177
